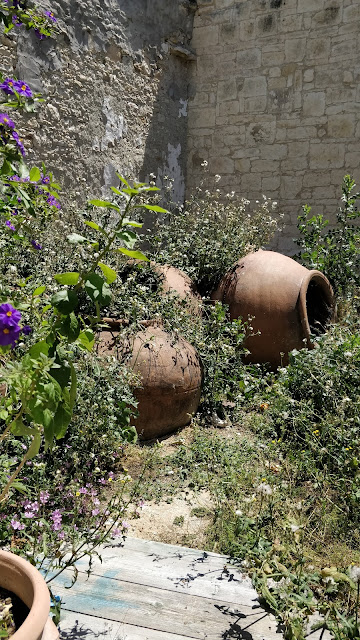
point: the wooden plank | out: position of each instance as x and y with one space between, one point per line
74 626
162 610
175 569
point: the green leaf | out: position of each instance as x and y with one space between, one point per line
33 450
65 301
93 225
76 238
151 207
38 348
73 387
86 339
110 274
35 174
61 372
68 277
39 290
132 223
70 327
105 203
128 237
137 255
63 415
122 180
97 289
21 429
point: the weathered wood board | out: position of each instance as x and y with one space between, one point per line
152 591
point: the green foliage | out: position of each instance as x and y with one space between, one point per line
209 233
334 250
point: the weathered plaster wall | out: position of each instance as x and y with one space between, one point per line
116 87
276 100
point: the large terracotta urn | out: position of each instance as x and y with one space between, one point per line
288 304
170 375
20 577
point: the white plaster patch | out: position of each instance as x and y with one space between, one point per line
173 170
115 126
183 109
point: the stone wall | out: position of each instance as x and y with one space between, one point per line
276 100
115 82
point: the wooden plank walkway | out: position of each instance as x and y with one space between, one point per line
152 591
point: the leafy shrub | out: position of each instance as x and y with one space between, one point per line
210 232
334 250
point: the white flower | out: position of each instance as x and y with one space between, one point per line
204 163
354 573
294 528
238 512
264 489
217 177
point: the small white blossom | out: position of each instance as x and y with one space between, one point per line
354 573
264 489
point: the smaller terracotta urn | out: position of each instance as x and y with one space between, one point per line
176 280
20 577
170 373
288 304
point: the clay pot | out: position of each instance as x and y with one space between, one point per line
170 374
288 303
176 280
20 577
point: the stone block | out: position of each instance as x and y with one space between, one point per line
273 151
292 22
265 166
326 155
295 49
229 34
309 75
227 90
270 183
205 37
199 118
255 105
294 164
255 86
351 13
318 48
296 149
248 59
242 165
291 186
273 58
222 165
229 107
341 126
310 5
314 104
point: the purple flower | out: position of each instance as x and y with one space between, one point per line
15 212
16 137
23 89
5 120
8 86
16 524
36 245
16 21
9 316
45 179
9 335
53 202
44 497
56 518
39 35
15 178
11 226
95 512
26 331
29 514
83 490
50 15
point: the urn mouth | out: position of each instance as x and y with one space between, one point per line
316 305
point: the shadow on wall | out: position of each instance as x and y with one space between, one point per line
165 147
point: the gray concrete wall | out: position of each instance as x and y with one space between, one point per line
115 82
277 99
